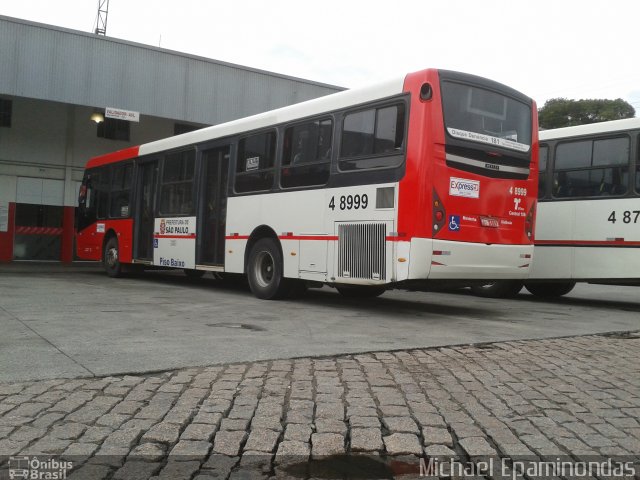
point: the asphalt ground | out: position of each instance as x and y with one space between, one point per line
73 321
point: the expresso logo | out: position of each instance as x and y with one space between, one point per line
463 187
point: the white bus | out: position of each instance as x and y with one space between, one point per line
588 218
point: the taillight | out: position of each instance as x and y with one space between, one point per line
439 213
529 221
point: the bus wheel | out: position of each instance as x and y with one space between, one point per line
503 289
361 291
111 258
264 270
192 273
550 289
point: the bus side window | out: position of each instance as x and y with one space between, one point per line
255 163
592 168
614 154
101 184
562 186
120 190
376 134
638 167
86 194
542 176
307 154
177 183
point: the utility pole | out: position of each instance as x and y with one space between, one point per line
101 19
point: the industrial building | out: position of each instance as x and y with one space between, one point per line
66 96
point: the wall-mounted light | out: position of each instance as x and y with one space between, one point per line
97 116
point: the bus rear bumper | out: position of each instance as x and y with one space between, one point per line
477 261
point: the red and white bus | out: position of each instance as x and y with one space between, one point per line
588 222
428 177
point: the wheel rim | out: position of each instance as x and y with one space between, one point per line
265 269
112 257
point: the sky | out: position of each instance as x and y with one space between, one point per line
544 48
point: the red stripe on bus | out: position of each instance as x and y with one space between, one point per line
125 154
332 238
586 243
309 237
188 237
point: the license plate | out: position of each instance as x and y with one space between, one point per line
489 222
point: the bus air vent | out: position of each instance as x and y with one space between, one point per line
362 251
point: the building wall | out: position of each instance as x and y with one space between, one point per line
78 68
42 158
56 78
54 141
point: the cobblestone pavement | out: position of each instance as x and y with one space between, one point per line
576 398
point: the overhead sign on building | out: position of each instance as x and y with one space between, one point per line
121 114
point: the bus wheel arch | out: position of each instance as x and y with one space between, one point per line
111 255
263 231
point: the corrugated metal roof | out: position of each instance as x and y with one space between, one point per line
57 64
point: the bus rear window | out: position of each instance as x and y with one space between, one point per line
484 116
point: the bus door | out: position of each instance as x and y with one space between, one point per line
144 216
213 208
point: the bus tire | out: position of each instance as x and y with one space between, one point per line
361 291
111 258
550 289
193 273
265 271
501 289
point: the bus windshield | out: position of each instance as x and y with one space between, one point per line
485 116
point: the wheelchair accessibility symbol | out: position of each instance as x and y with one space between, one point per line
454 223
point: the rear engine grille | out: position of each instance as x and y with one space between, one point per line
362 251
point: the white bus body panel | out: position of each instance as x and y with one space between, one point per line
593 246
421 250
551 262
302 220
554 221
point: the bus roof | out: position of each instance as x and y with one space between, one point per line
590 129
317 106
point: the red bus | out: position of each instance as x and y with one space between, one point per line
431 177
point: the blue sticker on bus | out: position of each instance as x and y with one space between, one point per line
155 243
454 223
